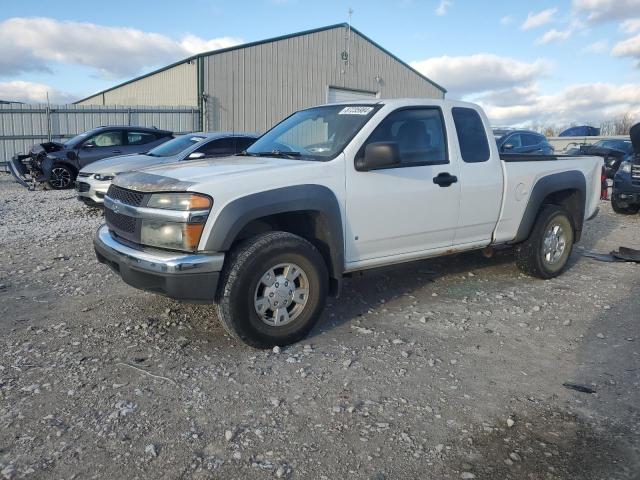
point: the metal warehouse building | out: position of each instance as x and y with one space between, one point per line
253 86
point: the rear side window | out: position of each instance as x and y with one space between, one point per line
531 139
140 138
220 147
472 138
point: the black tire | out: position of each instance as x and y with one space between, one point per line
623 208
530 254
61 177
241 280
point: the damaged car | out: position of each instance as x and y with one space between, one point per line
614 151
58 164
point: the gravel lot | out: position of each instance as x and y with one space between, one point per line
438 369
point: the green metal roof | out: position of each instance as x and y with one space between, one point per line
261 42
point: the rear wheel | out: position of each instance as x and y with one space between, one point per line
61 177
546 252
273 290
623 207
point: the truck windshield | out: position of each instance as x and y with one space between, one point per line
175 146
319 133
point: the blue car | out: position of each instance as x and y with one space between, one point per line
522 142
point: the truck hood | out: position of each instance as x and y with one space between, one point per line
179 176
124 163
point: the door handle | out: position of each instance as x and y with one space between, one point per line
445 179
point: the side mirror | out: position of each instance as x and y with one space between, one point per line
88 145
195 155
507 146
379 155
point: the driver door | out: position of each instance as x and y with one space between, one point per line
402 210
108 143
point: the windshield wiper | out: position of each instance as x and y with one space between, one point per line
277 153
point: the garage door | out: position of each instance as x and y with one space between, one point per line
345 95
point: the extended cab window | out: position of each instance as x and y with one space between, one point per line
419 133
472 138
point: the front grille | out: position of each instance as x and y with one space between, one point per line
130 197
84 174
120 223
635 171
83 186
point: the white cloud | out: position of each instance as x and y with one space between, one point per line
600 46
443 6
599 11
535 20
553 36
30 44
630 25
582 103
628 48
507 20
480 72
29 92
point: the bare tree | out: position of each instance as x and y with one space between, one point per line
617 126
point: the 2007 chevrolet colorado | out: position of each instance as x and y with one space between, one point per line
336 189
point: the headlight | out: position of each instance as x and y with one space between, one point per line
180 234
102 177
179 201
626 167
176 236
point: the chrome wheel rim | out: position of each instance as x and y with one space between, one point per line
281 294
60 177
554 244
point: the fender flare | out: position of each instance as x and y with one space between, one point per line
317 198
545 186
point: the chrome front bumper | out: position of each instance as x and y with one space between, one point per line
184 276
88 188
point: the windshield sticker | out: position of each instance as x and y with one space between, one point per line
355 111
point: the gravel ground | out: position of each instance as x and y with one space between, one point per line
441 369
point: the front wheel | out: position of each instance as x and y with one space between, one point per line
273 290
61 177
622 207
546 252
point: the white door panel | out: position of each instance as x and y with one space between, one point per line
399 210
481 179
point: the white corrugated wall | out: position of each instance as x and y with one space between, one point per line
175 86
255 87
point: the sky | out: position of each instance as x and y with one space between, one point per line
526 62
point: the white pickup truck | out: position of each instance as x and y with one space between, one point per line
339 188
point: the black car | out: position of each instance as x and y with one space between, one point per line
59 163
522 141
625 197
614 151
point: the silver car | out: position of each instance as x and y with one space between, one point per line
94 180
